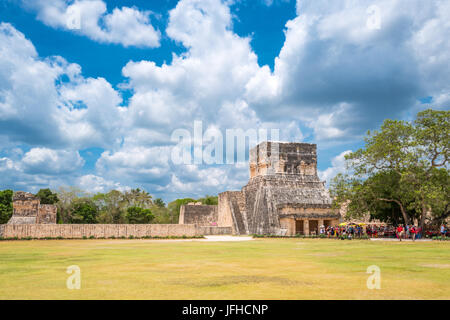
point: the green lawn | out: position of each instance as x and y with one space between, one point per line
260 269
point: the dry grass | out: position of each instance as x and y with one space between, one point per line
260 269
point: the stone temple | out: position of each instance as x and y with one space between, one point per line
284 195
27 209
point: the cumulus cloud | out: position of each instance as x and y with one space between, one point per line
340 76
93 184
27 89
40 109
214 70
333 79
138 164
125 26
39 168
48 168
52 162
337 166
208 82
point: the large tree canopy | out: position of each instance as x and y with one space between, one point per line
137 215
403 168
6 206
47 196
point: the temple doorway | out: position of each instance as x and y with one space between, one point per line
313 226
299 225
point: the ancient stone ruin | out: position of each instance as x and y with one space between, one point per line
203 215
27 209
34 220
284 195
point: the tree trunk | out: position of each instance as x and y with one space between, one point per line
422 218
402 209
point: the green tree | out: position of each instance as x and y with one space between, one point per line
209 200
112 207
137 215
66 196
159 203
137 198
83 211
364 196
6 205
404 164
174 208
47 196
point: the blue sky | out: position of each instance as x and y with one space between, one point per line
95 107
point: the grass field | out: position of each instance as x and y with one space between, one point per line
259 269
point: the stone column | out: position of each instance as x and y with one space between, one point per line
292 226
306 227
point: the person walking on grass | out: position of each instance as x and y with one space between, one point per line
413 233
399 232
418 232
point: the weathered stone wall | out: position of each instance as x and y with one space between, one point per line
232 211
28 210
25 208
46 214
290 158
224 218
25 204
202 215
214 231
74 231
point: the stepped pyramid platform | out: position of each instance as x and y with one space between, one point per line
284 195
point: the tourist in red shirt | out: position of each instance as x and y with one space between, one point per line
400 232
413 232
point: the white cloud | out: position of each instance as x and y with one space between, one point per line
136 164
93 184
92 116
39 109
125 26
333 76
51 162
39 168
338 166
331 59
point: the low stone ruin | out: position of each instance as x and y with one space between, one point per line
27 209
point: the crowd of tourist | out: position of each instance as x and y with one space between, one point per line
353 230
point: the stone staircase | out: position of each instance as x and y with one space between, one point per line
238 211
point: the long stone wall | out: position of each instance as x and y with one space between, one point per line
78 231
214 231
